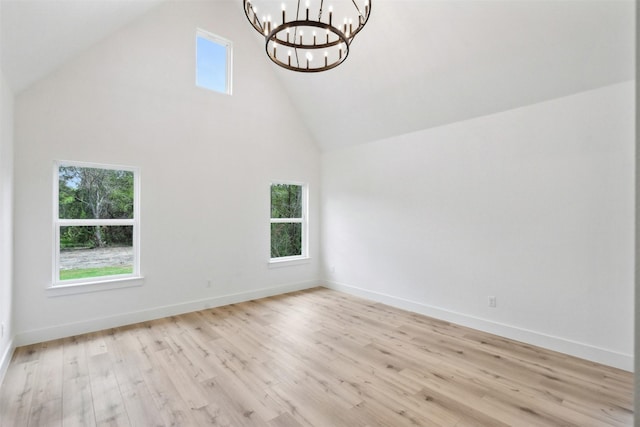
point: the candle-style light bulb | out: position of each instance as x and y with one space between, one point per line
326 58
307 10
330 14
284 19
289 55
314 37
309 58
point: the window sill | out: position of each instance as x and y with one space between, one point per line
288 261
98 286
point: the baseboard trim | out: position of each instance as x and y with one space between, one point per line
6 359
98 324
573 348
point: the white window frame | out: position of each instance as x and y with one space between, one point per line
104 282
304 220
229 60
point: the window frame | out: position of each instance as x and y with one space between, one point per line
116 279
228 44
304 220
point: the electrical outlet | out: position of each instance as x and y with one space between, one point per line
208 283
492 302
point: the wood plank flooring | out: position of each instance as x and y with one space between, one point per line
312 358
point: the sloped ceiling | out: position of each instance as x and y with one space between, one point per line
420 64
38 36
417 64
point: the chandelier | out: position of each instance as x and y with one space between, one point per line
297 41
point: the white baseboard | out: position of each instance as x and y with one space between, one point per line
573 348
98 324
6 359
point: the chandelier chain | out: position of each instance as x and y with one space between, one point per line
295 34
356 6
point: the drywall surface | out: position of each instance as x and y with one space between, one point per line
533 206
206 162
6 223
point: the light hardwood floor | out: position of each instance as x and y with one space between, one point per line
312 358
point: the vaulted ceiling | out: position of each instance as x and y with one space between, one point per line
416 65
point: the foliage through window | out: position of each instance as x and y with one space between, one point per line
96 223
288 221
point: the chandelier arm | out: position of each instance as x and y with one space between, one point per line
356 6
363 23
295 29
255 22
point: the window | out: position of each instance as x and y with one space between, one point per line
96 221
213 62
288 221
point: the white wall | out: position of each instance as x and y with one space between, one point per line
534 206
6 224
206 163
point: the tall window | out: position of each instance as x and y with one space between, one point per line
213 62
96 221
288 221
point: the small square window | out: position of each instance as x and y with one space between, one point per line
213 62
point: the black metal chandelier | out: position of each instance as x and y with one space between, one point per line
298 43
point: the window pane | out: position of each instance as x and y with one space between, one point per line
95 251
286 239
286 201
92 193
211 67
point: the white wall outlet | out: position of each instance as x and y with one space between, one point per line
208 283
492 302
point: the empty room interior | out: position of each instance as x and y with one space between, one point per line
212 213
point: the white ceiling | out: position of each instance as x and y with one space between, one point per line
40 35
420 64
417 64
